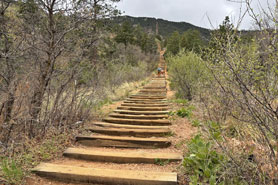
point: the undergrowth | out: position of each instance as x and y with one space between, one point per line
16 167
202 162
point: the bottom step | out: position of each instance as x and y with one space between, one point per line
105 176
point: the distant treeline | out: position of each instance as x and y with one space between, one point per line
165 28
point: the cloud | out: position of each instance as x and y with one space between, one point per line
197 12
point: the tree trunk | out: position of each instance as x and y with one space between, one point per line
8 106
37 98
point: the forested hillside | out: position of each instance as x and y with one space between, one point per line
165 28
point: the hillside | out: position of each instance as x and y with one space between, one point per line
165 28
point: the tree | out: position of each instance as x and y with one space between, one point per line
245 87
173 43
191 40
10 47
50 25
125 34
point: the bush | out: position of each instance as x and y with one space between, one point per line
202 162
196 123
187 73
185 112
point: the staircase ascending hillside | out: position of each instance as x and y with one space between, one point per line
141 122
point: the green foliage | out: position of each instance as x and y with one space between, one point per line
169 134
223 37
196 123
171 113
165 28
161 162
125 34
187 73
243 90
11 171
173 43
180 144
214 129
202 162
191 40
185 112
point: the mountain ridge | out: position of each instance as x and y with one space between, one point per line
163 27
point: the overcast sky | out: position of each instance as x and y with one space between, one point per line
195 12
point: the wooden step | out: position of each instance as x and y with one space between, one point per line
162 122
159 79
143 108
161 95
121 156
153 95
123 142
131 132
128 116
150 97
147 97
143 105
153 90
105 176
112 125
156 84
146 102
141 112
154 87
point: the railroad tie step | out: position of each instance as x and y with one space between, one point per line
128 116
93 154
141 112
143 108
145 102
144 105
161 122
112 125
154 87
130 132
152 90
147 97
105 176
123 142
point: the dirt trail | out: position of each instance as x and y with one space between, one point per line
127 146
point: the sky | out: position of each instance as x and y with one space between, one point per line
203 13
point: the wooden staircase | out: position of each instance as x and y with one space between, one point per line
141 122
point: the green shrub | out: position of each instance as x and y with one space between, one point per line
12 172
196 123
202 162
214 129
185 112
161 162
187 74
